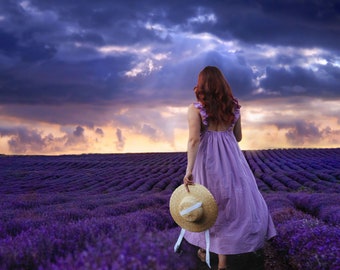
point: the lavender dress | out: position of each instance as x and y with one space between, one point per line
243 223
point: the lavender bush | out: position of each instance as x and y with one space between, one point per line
324 206
305 241
111 211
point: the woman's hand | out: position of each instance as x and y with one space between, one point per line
188 180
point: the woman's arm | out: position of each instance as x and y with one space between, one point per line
238 130
194 122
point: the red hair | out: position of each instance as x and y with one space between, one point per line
214 92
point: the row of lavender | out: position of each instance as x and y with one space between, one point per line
305 205
308 170
111 211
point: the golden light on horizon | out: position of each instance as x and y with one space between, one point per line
275 123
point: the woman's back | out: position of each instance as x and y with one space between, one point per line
234 125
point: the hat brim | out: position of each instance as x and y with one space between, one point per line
209 205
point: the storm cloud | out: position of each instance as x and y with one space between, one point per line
85 64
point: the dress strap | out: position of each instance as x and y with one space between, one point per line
237 111
203 113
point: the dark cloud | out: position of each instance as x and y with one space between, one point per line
120 143
35 51
76 138
306 132
48 66
70 63
21 140
61 82
8 43
279 22
149 131
299 81
99 131
302 131
29 51
289 81
310 23
79 131
74 114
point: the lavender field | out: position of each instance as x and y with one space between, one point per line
110 211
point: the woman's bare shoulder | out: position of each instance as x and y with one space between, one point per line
193 111
192 107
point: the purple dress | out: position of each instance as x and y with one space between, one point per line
244 222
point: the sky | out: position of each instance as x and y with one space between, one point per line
117 76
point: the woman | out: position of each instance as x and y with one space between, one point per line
216 161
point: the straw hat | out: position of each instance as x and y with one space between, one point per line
195 211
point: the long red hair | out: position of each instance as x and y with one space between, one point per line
214 92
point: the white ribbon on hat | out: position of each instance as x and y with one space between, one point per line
179 240
190 209
207 240
206 233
